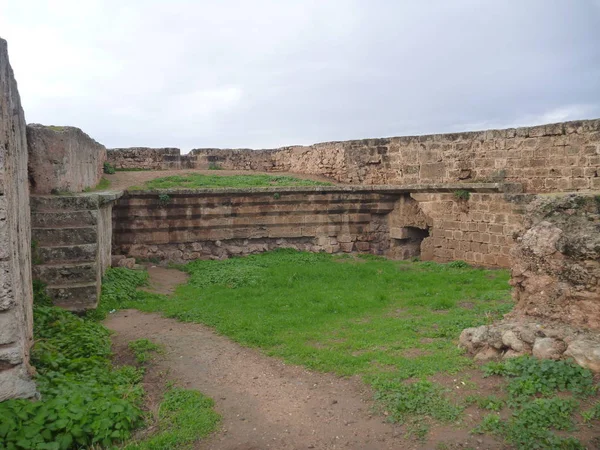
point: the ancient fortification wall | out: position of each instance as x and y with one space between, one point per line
181 225
149 158
546 158
63 159
16 300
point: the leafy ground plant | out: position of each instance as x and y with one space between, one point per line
85 401
195 180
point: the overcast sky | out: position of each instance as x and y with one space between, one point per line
267 73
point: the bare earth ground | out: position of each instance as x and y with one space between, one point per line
123 180
265 403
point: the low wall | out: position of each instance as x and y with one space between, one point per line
149 158
63 159
181 225
16 298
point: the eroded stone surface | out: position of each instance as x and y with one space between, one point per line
15 241
63 159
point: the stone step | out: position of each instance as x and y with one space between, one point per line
67 253
76 296
52 237
72 202
66 273
57 219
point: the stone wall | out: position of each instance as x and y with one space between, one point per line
63 159
16 297
180 225
556 285
145 158
547 158
556 269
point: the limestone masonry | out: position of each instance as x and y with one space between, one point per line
63 159
16 333
547 158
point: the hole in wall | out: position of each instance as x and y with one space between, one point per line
406 242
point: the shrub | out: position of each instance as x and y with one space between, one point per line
462 194
108 168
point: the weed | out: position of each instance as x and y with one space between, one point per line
164 199
141 349
529 376
591 414
84 401
489 402
462 194
214 166
416 400
531 425
276 195
108 168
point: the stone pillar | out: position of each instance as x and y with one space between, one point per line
16 298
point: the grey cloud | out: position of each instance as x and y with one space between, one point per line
270 73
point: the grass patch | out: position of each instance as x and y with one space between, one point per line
142 349
339 315
194 181
103 185
184 417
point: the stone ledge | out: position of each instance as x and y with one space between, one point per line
380 189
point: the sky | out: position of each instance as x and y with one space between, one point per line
270 73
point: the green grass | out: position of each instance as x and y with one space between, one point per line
194 181
103 185
184 416
343 315
142 348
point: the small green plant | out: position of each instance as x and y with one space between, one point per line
276 195
214 166
489 402
415 402
529 376
164 199
462 195
108 168
591 414
141 349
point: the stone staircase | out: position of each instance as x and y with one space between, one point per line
71 239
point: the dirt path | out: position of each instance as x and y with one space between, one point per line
123 180
265 403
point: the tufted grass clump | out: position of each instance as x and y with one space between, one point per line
184 416
142 349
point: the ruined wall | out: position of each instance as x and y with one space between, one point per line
16 297
547 158
149 158
180 225
63 159
556 269
478 229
